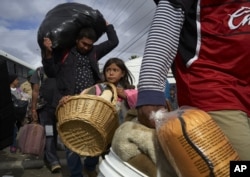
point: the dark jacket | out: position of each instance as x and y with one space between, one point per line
64 71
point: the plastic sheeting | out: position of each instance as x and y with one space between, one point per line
62 24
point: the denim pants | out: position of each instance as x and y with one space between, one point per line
47 117
75 164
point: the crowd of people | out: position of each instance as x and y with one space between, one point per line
53 83
212 80
21 113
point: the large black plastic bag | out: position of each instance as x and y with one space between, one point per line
63 23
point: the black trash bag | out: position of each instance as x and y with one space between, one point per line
156 2
63 23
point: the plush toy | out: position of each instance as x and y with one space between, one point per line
135 143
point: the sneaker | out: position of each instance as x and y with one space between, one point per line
55 168
90 173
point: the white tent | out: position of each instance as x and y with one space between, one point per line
134 66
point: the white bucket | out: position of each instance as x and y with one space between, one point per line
112 165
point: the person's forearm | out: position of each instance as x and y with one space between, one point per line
108 45
35 95
47 55
161 48
112 35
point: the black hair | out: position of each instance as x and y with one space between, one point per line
88 33
12 77
126 81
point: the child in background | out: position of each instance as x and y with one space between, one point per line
116 72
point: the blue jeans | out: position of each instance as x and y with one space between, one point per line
75 164
47 117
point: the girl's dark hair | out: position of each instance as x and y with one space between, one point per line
126 81
88 33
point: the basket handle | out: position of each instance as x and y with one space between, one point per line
113 90
115 97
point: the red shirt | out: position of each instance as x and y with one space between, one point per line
217 75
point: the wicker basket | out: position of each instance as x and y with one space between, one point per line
86 123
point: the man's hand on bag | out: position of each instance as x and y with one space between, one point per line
48 47
144 113
47 44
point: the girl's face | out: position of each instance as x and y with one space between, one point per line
113 74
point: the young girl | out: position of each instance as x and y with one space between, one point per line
116 72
